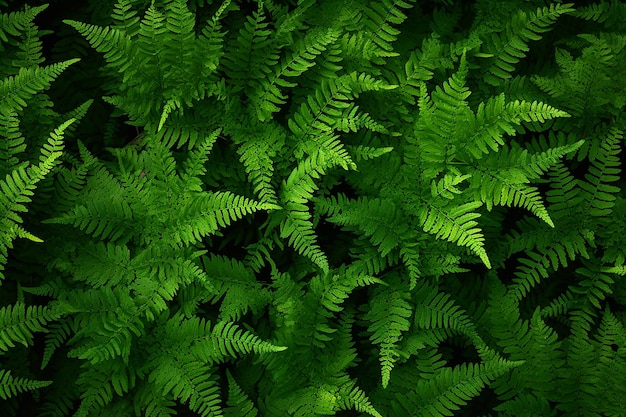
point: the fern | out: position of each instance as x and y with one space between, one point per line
297 190
389 317
257 152
18 187
277 209
379 17
235 286
267 96
239 404
598 194
18 322
150 70
377 219
14 90
10 386
511 45
450 388
189 382
455 224
507 186
251 54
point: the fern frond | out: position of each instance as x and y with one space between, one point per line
564 193
18 186
611 13
421 64
388 314
267 96
30 52
436 309
503 188
605 168
377 219
215 345
331 290
159 57
10 386
205 213
595 285
351 397
17 23
101 264
455 224
257 153
496 117
378 18
313 401
538 163
585 85
194 165
235 286
12 143
104 330
451 388
189 381
511 45
538 346
16 89
443 120
125 17
536 266
239 405
317 113
364 153
18 322
251 55
58 333
112 219
298 190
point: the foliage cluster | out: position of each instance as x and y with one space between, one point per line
315 207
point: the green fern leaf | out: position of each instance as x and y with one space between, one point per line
239 404
377 219
251 55
16 89
595 285
257 151
10 386
18 322
351 397
388 315
267 95
18 187
496 117
436 309
16 23
455 224
205 213
510 45
191 382
598 193
235 286
448 389
58 334
12 143
223 341
378 18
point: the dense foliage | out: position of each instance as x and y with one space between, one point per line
315 207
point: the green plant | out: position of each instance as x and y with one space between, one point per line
329 207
